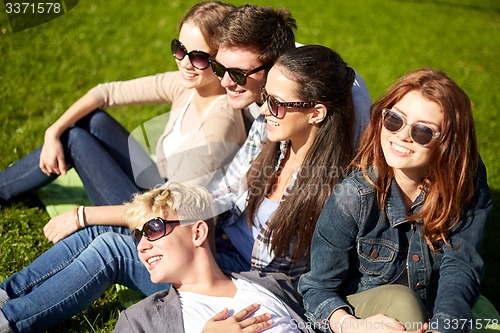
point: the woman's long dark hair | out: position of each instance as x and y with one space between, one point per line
322 76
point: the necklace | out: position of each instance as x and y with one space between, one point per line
282 179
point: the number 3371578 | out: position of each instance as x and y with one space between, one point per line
477 323
32 8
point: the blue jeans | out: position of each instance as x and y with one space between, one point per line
99 149
74 272
71 275
227 256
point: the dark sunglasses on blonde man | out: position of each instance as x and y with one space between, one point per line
178 249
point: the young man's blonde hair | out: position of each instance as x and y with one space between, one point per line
190 203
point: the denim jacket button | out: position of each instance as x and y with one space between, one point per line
419 286
374 254
415 258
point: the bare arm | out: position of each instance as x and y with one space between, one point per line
65 224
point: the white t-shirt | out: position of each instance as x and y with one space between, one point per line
197 309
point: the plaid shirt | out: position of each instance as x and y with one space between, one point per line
229 189
230 192
262 259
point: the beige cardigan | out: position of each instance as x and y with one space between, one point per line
205 150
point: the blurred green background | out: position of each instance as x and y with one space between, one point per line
43 70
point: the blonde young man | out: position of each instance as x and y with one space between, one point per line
174 230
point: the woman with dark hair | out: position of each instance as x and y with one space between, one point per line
397 243
309 113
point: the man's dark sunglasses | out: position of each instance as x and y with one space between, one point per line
199 59
239 76
155 229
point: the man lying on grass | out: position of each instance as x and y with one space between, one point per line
174 230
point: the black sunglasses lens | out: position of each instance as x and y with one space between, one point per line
199 59
238 77
218 69
154 229
178 51
273 107
393 122
421 134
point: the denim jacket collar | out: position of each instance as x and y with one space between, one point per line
396 211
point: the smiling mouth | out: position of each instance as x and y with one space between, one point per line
189 75
401 149
234 93
272 123
154 259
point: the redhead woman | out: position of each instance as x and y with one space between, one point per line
397 245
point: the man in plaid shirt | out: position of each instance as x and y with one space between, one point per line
245 47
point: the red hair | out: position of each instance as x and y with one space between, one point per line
448 184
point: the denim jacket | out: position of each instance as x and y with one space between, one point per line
357 246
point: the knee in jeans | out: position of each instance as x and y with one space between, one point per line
75 134
395 301
105 238
405 302
98 118
114 243
95 117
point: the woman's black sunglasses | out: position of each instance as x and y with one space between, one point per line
239 76
394 121
199 59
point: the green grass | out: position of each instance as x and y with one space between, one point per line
46 68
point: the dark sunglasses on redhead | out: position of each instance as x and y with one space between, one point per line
156 228
394 121
239 76
199 59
